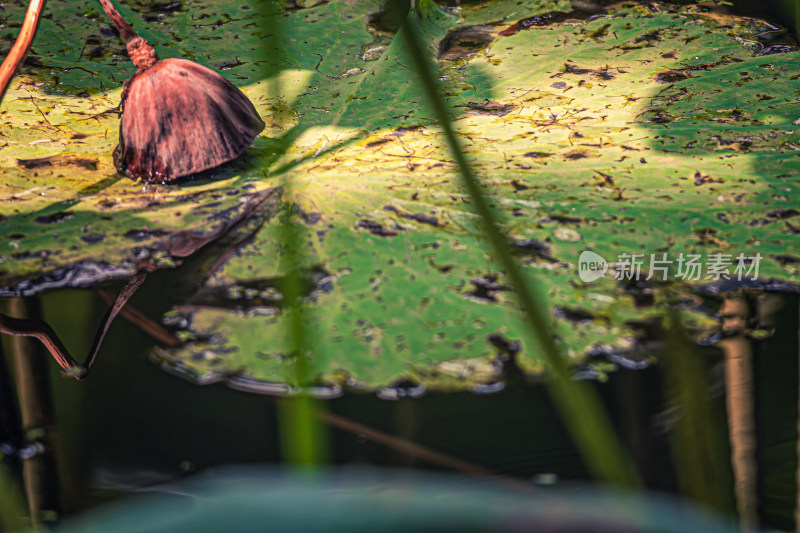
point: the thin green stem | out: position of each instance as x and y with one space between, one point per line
303 436
580 406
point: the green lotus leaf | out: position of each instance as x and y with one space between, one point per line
640 129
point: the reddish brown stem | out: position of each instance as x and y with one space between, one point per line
39 329
123 27
413 449
142 321
142 54
21 46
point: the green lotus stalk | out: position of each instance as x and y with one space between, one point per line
580 407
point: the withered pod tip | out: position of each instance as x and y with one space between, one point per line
178 117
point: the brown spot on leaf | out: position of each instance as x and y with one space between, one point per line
776 49
672 76
58 161
138 235
550 18
53 218
537 155
605 180
577 154
376 228
650 37
491 108
676 75
783 213
532 247
418 217
702 179
379 142
486 288
600 33
465 42
786 259
708 236
92 238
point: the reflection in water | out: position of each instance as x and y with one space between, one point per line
168 423
37 437
740 396
696 425
41 330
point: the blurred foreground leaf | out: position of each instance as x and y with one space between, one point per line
371 500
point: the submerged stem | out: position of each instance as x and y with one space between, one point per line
41 330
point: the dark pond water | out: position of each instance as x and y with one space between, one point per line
132 425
